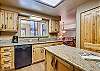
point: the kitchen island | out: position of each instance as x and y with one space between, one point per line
66 58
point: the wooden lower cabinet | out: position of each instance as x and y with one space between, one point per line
62 67
7 58
53 63
49 62
38 53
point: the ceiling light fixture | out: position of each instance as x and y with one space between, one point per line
51 3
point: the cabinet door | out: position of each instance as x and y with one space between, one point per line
15 19
57 26
53 26
9 20
6 20
36 54
1 19
62 67
87 27
98 25
49 61
42 55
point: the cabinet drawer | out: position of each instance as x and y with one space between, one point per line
6 60
7 49
6 66
6 54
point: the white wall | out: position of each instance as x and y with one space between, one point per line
69 26
70 33
84 7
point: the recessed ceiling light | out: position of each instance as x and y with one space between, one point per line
51 3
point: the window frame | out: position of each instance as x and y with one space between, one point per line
37 27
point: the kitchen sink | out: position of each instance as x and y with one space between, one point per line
89 56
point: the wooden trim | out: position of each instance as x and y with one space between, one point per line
38 61
90 9
8 10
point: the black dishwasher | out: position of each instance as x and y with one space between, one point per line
23 55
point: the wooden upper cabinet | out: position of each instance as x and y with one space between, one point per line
53 26
1 19
15 22
11 20
8 20
90 27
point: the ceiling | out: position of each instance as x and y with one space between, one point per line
64 8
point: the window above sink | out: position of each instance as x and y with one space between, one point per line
32 27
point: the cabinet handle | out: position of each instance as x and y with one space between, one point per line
5 62
2 26
33 50
7 68
13 27
42 50
55 29
7 50
7 55
5 26
54 62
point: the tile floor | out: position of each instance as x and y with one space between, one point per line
35 67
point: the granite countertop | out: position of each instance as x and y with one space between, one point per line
72 55
22 43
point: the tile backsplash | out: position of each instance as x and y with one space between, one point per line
28 40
